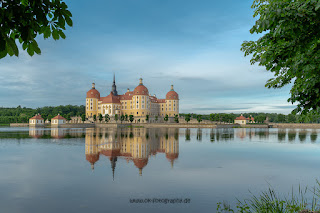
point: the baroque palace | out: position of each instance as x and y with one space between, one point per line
138 103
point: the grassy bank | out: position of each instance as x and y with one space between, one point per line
4 124
271 202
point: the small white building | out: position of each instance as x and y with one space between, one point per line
58 120
36 121
241 120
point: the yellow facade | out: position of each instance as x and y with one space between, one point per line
138 103
134 145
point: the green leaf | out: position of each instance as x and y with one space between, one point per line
62 35
69 21
55 34
47 32
317 6
3 54
30 50
35 47
2 43
12 47
24 2
24 45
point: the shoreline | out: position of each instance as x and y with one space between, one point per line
177 125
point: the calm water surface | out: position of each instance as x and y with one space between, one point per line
100 170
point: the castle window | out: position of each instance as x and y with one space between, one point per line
91 99
137 113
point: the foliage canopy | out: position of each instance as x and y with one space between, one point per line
289 47
25 19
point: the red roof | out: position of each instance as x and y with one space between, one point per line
38 116
241 118
93 93
92 158
172 95
111 153
140 162
141 90
59 117
126 96
110 99
244 118
153 99
172 156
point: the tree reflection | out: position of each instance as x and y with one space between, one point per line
199 134
313 136
281 135
292 135
212 135
302 136
187 134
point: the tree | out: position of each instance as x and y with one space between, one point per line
156 118
176 118
291 118
199 118
106 118
260 118
281 118
147 117
166 118
126 117
49 117
68 117
212 117
131 118
100 117
83 117
116 117
94 117
187 117
23 20
122 118
289 47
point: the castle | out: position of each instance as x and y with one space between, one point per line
138 103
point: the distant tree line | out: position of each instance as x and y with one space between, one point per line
22 114
311 117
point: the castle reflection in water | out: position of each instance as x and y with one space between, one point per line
138 144
132 144
135 145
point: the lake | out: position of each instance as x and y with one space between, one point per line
143 170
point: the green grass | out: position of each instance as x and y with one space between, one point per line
4 124
271 202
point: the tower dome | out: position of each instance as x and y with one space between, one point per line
93 93
172 95
140 89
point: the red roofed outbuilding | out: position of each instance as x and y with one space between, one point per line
36 120
58 120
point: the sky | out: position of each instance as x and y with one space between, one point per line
193 45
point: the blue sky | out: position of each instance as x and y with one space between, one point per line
194 45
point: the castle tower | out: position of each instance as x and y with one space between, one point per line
92 99
172 103
114 87
141 101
